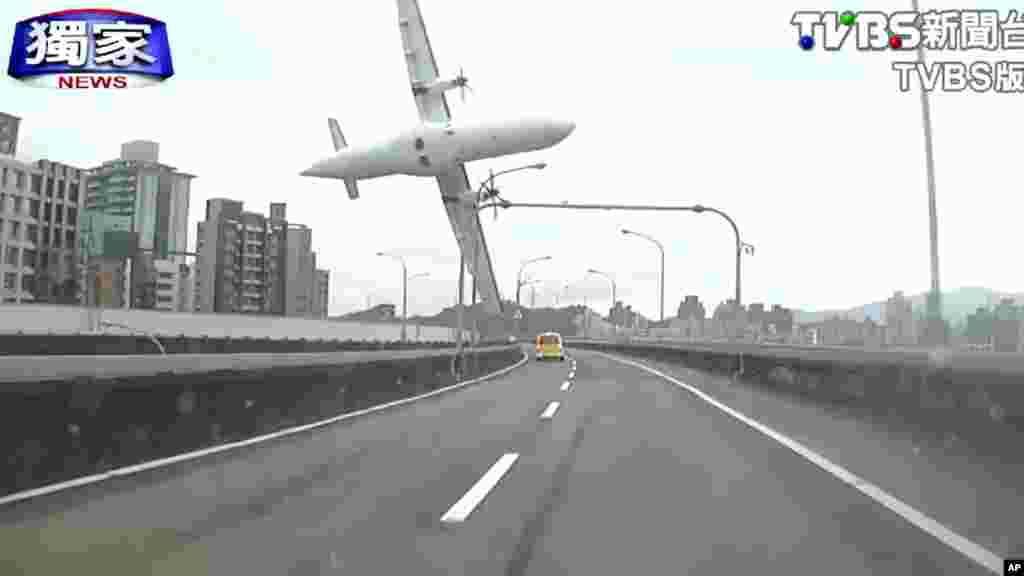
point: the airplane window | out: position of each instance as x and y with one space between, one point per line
419 144
424 160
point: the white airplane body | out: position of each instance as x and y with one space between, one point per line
432 149
439 148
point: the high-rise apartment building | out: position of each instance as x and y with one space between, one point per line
40 208
9 134
323 289
300 265
256 264
136 230
900 327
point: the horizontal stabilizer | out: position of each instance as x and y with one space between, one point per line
353 188
336 136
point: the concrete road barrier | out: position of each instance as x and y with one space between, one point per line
975 397
55 430
114 344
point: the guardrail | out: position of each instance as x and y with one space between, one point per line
957 360
975 396
21 369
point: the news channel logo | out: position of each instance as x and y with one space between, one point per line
91 49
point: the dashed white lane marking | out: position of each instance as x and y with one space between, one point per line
470 500
572 374
549 412
972 550
565 386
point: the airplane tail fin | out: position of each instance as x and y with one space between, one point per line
338 139
336 136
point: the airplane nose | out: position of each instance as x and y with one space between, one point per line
316 170
561 129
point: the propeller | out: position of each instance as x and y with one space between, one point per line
495 198
463 83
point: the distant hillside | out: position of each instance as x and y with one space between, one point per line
956 306
379 313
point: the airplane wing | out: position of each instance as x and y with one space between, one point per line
433 107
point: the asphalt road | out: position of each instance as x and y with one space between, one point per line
630 475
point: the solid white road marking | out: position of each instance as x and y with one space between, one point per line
565 386
470 500
549 412
128 470
972 550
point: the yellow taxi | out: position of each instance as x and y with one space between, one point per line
549 345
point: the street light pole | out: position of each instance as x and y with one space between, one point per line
615 300
405 282
519 286
934 302
459 320
487 191
661 249
741 246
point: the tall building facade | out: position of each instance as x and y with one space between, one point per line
40 209
691 307
256 264
301 270
323 290
136 230
900 327
9 134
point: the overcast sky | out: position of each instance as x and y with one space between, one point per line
817 156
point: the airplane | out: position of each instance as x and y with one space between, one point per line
439 148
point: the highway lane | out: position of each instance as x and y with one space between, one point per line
630 475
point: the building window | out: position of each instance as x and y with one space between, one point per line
57 239
69 238
19 180
72 216
48 212
28 258
61 188
11 256
46 235
19 204
37 184
28 283
59 215
44 259
49 187
73 192
14 229
32 233
3 178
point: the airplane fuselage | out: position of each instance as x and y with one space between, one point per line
430 149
